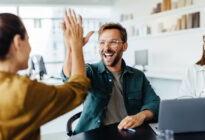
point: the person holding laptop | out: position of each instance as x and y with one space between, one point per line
119 93
27 104
193 85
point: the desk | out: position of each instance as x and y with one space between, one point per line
143 132
111 132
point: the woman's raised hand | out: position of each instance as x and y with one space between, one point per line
72 30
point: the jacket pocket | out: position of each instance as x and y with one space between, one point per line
135 100
134 95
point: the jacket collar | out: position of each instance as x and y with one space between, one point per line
102 68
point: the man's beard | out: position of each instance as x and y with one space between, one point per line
117 58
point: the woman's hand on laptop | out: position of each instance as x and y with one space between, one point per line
135 120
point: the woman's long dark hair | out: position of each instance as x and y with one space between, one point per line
10 25
201 62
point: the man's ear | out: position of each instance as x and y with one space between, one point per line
125 45
17 41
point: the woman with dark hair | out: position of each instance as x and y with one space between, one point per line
193 84
26 104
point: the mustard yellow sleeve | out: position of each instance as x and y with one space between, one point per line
46 102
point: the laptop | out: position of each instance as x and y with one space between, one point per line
181 115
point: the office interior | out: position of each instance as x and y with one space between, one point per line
162 43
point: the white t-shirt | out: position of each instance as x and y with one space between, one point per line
193 84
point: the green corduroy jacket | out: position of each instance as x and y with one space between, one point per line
137 93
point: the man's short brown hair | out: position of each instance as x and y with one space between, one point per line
117 26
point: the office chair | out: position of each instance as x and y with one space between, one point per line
70 122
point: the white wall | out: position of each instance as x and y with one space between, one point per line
169 52
139 8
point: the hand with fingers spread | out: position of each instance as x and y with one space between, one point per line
135 120
72 30
73 35
72 25
87 37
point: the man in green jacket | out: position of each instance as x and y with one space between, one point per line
119 93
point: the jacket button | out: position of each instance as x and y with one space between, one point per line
98 121
110 80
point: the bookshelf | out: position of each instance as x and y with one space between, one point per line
169 53
176 49
178 11
183 10
167 34
152 21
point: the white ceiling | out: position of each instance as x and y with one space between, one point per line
60 2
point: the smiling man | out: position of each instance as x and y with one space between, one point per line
119 93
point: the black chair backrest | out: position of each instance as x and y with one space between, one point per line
70 122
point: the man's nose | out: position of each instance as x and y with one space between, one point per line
107 45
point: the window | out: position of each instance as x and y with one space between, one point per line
44 29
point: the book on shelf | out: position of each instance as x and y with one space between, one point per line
189 20
183 22
196 20
181 3
174 5
189 2
144 30
158 7
179 23
163 8
154 10
166 5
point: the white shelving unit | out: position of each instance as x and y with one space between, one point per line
169 53
166 34
166 46
153 20
164 75
182 10
177 11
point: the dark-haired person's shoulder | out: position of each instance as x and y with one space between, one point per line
21 78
